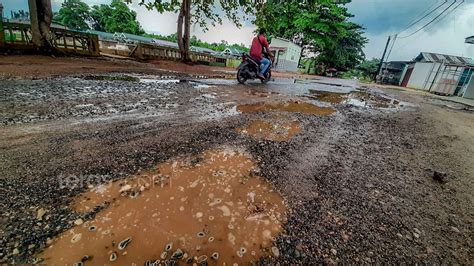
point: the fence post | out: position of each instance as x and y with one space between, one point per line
2 31
94 48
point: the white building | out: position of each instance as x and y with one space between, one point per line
287 54
438 73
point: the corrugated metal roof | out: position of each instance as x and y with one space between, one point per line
440 58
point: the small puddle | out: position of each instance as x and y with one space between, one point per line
364 99
111 78
205 209
329 97
292 107
268 130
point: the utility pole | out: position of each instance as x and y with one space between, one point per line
383 57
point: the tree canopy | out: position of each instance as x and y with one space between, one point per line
319 26
116 17
74 14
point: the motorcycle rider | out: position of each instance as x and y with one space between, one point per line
258 49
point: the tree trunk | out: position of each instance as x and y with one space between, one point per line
184 20
180 29
41 16
187 31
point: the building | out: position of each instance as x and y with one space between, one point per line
392 72
231 51
287 54
437 73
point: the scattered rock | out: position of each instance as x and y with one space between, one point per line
76 238
163 255
123 244
78 222
113 256
333 251
178 254
455 229
125 188
40 213
440 177
16 251
275 252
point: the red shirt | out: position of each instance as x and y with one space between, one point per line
256 49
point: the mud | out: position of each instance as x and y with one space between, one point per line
199 206
276 129
357 182
292 107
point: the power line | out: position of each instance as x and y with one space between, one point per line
429 13
441 19
433 20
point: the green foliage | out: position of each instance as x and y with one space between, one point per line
74 14
116 17
205 11
319 26
369 68
218 47
365 71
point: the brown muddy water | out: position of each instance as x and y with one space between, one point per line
210 207
329 97
291 107
276 130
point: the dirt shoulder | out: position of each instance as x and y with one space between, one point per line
36 66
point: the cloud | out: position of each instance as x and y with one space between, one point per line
384 18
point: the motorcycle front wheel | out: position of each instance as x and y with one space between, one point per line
240 77
268 76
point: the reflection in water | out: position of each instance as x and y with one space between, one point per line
292 107
271 130
329 97
208 208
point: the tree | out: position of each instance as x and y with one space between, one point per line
199 12
369 68
74 14
116 17
41 16
319 26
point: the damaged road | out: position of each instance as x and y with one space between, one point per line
352 169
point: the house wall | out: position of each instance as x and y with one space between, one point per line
288 60
423 75
469 93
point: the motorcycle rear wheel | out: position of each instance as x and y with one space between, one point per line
240 78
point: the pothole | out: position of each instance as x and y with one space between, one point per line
271 130
365 99
329 97
292 107
111 78
205 208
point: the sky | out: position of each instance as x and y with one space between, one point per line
380 18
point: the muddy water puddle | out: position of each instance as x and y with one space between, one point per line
329 97
291 107
208 208
355 98
271 130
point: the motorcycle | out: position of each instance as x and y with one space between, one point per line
249 69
